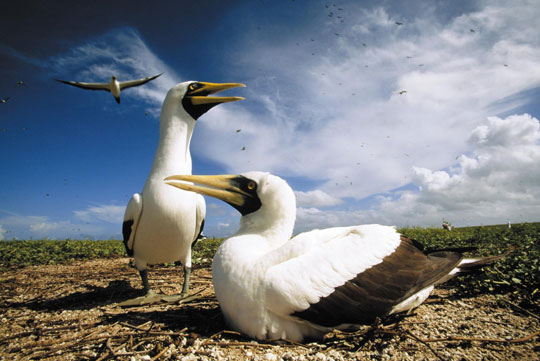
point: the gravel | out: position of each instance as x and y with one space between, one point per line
69 312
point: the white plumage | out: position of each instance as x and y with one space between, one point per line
270 286
161 224
113 86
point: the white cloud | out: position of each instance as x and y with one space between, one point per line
100 222
337 116
331 118
121 52
515 131
49 227
106 213
497 182
501 177
316 198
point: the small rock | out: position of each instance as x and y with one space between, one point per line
270 357
191 357
287 356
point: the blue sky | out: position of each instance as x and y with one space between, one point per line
374 111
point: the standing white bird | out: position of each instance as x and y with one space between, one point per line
270 286
161 224
113 86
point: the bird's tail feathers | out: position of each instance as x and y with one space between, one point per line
471 265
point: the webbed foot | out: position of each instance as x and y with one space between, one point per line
149 298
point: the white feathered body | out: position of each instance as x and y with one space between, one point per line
260 283
270 286
170 218
291 277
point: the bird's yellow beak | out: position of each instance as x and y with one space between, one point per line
197 102
239 191
217 186
199 93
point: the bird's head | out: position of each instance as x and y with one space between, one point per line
260 194
194 96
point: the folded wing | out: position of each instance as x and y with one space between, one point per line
132 216
351 275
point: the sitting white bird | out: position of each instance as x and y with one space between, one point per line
270 286
161 224
113 86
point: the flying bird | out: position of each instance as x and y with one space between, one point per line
160 224
398 23
270 286
402 92
20 82
5 100
113 86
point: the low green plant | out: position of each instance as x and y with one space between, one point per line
518 273
28 253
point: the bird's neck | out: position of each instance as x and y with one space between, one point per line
275 228
173 154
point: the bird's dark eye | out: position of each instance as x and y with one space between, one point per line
251 185
193 86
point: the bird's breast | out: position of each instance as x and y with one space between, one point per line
167 227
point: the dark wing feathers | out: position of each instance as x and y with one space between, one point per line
127 227
375 291
199 235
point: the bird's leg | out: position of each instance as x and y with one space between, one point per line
144 278
152 297
185 287
149 296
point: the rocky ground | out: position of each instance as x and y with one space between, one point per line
69 312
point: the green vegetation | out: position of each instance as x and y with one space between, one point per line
203 251
518 273
28 253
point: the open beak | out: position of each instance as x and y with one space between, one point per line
197 102
218 186
199 96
